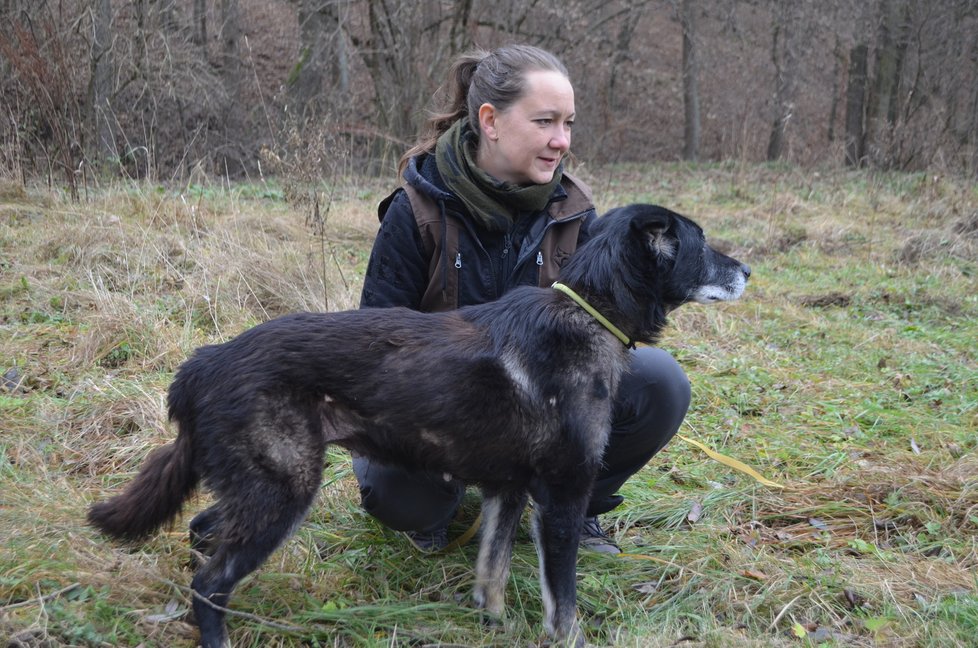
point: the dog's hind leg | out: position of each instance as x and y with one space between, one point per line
265 485
251 527
501 513
202 530
557 519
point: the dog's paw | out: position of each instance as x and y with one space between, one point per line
491 618
197 560
491 621
570 635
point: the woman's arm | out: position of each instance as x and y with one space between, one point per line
397 273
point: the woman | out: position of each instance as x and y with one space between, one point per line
486 206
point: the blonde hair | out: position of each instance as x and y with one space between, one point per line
496 77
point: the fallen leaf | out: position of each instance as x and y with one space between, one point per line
646 588
754 574
799 631
695 512
818 524
914 446
853 600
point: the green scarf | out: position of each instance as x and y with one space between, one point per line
494 203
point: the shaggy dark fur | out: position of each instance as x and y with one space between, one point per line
513 395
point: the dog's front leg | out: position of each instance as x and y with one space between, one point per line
501 511
556 533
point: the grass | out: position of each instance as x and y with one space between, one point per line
848 373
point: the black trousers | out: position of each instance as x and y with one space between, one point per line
650 406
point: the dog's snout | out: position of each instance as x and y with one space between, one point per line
746 270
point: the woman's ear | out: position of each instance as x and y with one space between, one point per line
487 121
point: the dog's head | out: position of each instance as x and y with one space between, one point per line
643 261
690 270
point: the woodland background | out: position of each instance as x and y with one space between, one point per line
166 89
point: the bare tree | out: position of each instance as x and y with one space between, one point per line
200 25
838 60
406 49
231 69
856 105
883 105
322 73
100 86
970 138
784 55
632 13
894 81
47 93
691 93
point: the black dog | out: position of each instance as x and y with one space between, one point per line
513 395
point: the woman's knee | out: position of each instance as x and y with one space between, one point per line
406 500
652 401
656 386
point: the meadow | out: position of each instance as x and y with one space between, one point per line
848 374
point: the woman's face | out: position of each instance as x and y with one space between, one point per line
524 143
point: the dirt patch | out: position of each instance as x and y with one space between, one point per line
828 300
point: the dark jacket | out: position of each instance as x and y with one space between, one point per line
438 257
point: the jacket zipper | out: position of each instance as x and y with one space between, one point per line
520 261
539 240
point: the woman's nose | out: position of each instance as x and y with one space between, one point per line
560 140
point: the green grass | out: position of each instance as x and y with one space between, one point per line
848 373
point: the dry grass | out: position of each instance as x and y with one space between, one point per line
848 373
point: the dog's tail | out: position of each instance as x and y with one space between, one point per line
165 480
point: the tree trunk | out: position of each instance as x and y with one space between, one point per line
199 30
784 55
856 106
616 103
970 160
972 137
458 36
101 83
389 63
322 64
882 103
230 46
230 58
837 60
902 43
691 95
139 38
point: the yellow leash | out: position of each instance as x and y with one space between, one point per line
465 538
605 322
732 463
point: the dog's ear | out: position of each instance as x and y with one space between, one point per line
653 222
